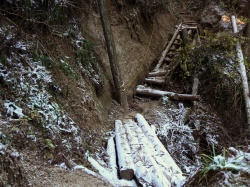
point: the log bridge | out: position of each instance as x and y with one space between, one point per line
142 156
184 34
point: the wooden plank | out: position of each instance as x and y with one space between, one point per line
168 59
171 53
157 73
154 80
189 27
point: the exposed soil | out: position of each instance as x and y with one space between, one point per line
40 174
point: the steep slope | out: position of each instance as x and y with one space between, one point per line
56 85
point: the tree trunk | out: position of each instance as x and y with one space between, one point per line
242 72
111 49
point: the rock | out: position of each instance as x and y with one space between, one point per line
212 14
242 7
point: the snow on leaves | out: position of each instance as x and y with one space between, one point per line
28 82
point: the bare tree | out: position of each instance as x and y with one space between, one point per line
111 49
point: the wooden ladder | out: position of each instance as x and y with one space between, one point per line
166 63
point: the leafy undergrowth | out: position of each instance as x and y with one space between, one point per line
231 168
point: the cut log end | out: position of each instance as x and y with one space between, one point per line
127 174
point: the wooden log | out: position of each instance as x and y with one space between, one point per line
142 173
167 48
155 80
195 88
157 73
144 91
242 72
145 157
112 157
176 173
126 165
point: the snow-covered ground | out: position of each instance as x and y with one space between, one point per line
28 81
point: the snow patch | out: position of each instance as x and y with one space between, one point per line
13 110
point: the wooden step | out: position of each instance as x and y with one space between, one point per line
175 47
171 54
167 59
177 43
189 22
188 27
155 80
157 73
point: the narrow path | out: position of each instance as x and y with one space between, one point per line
139 151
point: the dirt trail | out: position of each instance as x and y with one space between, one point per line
43 174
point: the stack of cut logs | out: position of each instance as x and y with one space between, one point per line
141 155
183 35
